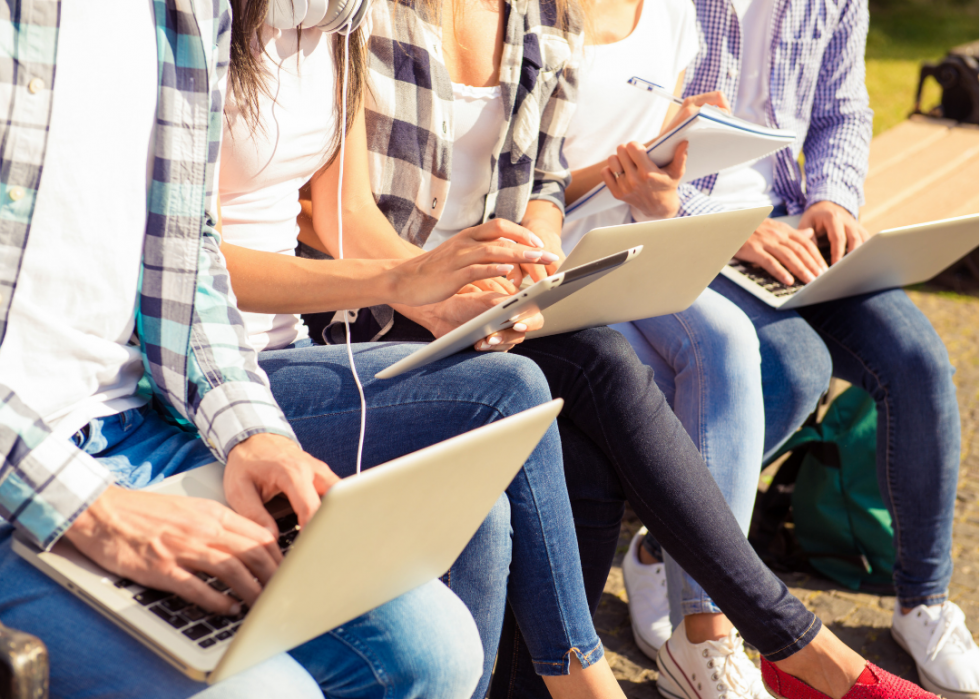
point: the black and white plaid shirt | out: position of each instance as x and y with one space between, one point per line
409 113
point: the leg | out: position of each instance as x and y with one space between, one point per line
91 656
884 344
422 645
614 400
424 407
796 364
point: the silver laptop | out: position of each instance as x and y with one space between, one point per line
376 536
681 257
890 259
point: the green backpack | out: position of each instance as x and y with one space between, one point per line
839 518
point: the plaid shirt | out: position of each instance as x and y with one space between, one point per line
816 89
409 113
197 359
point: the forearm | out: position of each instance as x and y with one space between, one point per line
583 181
267 282
545 220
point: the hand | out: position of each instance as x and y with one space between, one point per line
160 541
442 317
554 254
842 230
692 104
492 249
784 251
634 178
265 465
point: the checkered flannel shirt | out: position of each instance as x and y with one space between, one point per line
198 363
816 89
409 113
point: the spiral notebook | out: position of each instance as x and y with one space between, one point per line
717 141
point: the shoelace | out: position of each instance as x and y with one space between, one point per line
734 669
950 619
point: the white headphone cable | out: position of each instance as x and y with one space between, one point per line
340 236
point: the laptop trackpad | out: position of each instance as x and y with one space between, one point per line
204 482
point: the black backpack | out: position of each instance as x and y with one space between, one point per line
958 77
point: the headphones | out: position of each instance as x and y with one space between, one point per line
330 16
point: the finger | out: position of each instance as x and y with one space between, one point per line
532 322
771 265
227 568
805 239
675 169
255 557
301 495
791 261
834 230
629 167
323 478
502 228
856 235
615 165
806 256
244 498
612 183
535 272
185 584
638 155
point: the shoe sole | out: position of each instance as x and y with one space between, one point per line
927 682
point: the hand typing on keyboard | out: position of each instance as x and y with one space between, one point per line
784 252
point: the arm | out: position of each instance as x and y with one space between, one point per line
838 141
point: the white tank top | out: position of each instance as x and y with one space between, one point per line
261 171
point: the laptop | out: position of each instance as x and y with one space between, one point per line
889 259
376 536
681 257
528 301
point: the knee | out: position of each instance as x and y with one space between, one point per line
441 656
605 351
803 379
520 381
924 363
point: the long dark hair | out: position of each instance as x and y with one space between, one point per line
247 77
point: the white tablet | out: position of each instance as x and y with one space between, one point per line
525 302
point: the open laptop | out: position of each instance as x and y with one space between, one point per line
376 536
893 258
681 257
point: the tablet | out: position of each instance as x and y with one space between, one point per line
525 302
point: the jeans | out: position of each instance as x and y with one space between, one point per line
706 362
422 644
884 344
526 550
620 440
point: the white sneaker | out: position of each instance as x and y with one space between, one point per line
646 588
709 670
942 647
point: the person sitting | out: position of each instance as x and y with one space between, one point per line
526 551
448 96
705 359
798 65
106 229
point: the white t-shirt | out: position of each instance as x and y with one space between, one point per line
751 185
66 353
478 118
610 112
261 172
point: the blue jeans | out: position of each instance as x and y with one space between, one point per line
419 645
526 551
884 344
706 361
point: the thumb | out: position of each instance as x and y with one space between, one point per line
244 499
675 170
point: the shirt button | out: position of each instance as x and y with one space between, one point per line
434 201
445 128
35 86
16 193
732 72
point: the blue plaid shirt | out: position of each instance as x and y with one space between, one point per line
816 89
197 360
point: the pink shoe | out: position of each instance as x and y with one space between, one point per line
874 683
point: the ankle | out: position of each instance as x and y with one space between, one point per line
706 627
826 664
645 557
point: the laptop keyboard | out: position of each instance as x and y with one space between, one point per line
769 282
195 624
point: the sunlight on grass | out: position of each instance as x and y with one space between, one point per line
902 35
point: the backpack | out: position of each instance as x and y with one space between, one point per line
840 524
957 75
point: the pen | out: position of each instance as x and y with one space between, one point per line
658 90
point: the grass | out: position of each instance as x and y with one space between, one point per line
903 34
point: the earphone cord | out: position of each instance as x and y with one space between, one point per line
340 238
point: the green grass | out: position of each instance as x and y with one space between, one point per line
903 34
